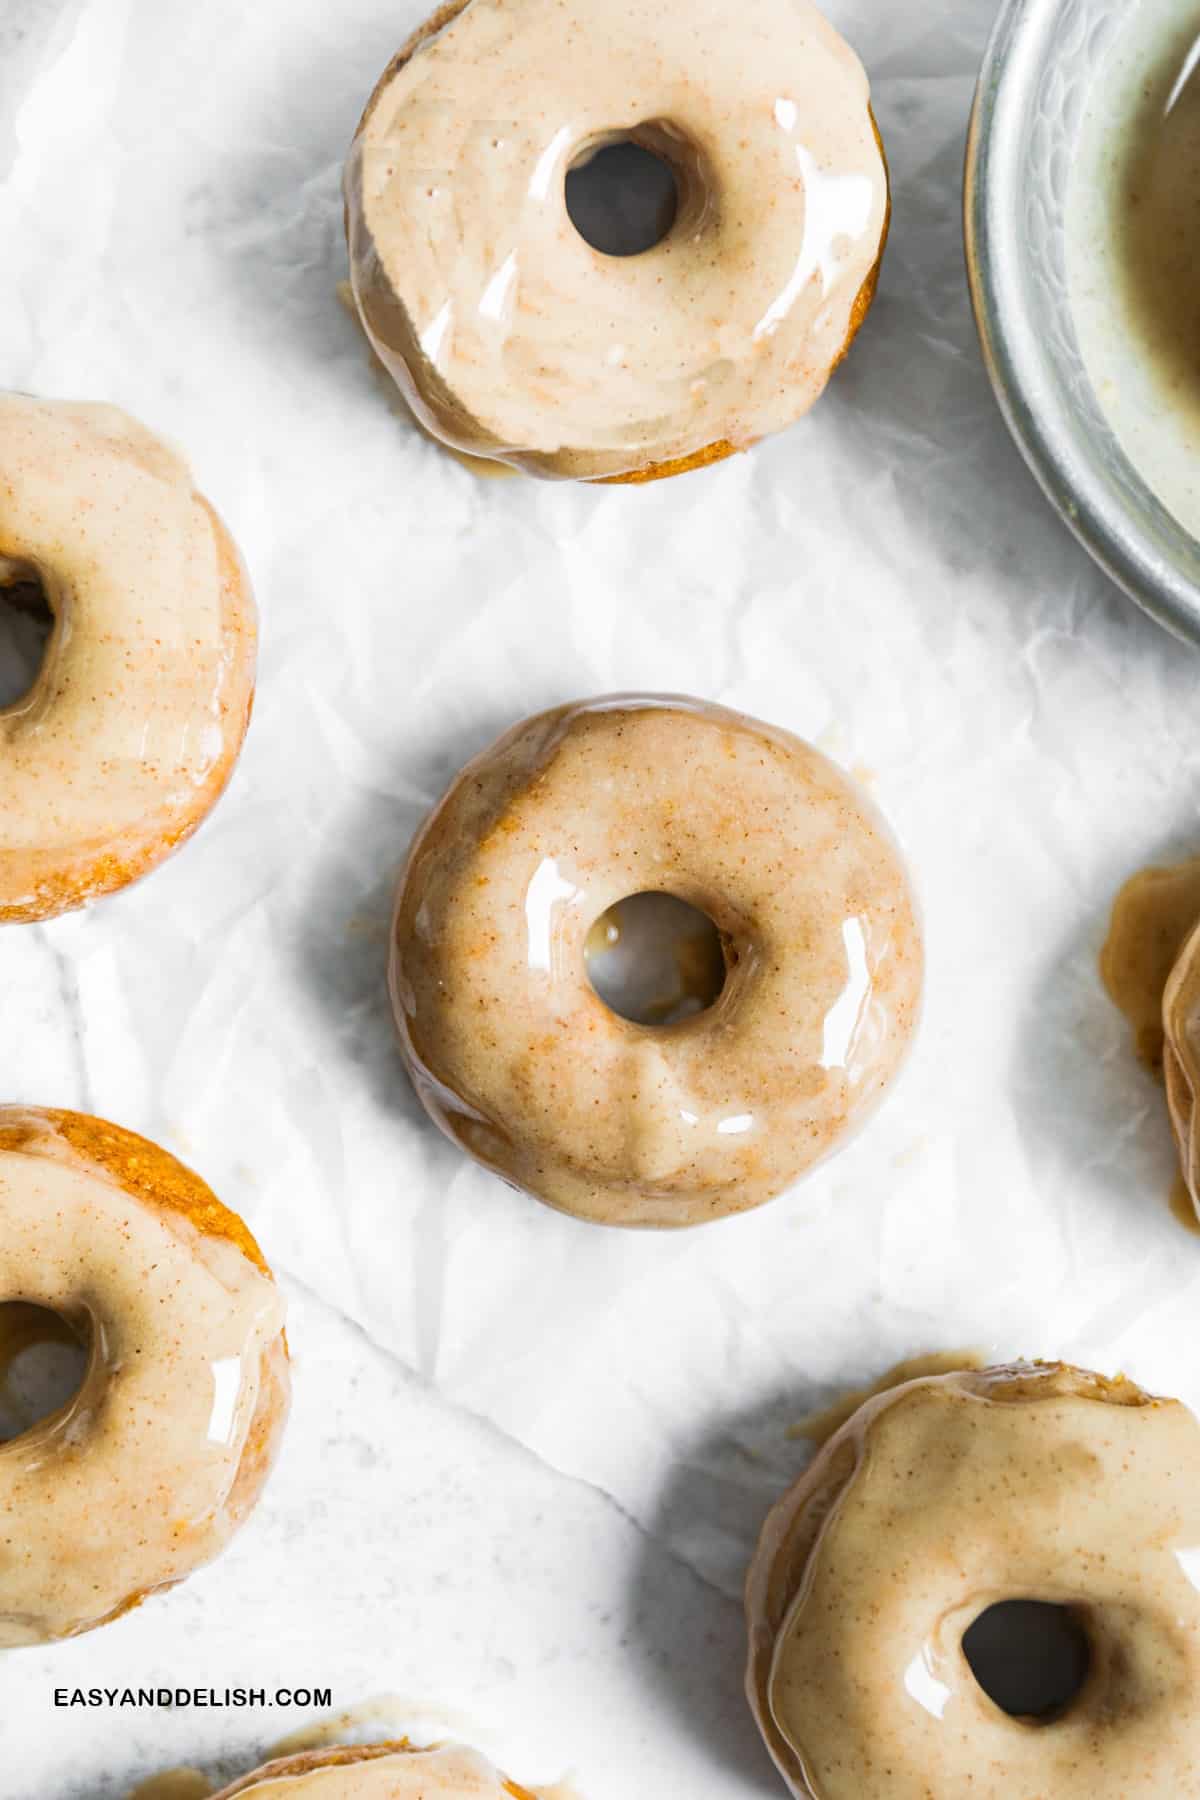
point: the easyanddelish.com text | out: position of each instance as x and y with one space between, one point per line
192 1696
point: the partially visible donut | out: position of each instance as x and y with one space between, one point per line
937 1500
509 335
1181 1061
394 1771
133 726
518 1059
151 1467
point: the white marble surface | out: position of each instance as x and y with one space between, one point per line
884 579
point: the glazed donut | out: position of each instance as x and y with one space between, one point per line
152 1466
511 1049
133 726
393 1771
938 1500
1181 1061
509 336
1150 964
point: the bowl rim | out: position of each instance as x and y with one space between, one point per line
1028 396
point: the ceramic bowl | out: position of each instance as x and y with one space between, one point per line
1025 125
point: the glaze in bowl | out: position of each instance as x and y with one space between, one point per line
1029 106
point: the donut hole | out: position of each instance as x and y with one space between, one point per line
625 192
655 960
1030 1657
43 1362
26 621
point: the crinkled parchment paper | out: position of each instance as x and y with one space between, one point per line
883 579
